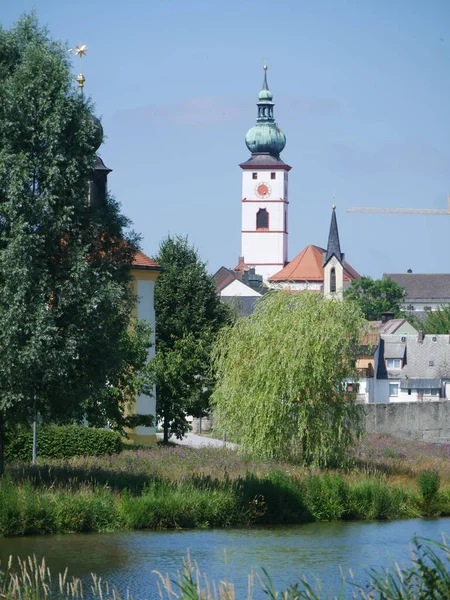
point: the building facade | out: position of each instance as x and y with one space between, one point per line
264 231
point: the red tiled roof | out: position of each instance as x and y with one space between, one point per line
142 261
307 266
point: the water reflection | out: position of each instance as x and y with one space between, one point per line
317 550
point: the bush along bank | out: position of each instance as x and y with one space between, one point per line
34 507
60 441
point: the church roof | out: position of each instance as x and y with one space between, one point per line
308 266
142 261
334 246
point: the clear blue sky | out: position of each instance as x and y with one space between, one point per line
362 92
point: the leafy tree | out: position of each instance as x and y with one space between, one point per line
189 315
64 265
375 297
281 374
437 321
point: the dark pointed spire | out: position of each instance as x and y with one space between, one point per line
334 246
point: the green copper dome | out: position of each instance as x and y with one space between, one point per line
265 137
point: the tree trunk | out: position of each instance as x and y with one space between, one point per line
166 427
2 443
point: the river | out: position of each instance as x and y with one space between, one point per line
316 550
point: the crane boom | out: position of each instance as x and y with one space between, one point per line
404 211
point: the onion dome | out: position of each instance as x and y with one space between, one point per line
265 137
98 136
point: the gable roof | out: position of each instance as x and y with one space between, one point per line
429 359
308 266
225 277
142 261
390 326
334 246
427 286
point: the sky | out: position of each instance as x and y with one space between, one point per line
361 90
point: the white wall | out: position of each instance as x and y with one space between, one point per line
237 288
267 250
146 405
336 265
316 286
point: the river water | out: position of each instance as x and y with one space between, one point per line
316 550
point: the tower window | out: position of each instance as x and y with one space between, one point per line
273 176
262 219
254 175
333 280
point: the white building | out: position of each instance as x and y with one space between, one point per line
424 292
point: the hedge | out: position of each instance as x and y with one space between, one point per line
63 441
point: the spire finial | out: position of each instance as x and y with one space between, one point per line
80 51
333 206
265 67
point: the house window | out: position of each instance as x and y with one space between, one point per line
393 363
431 392
393 389
410 307
273 176
353 387
262 219
427 308
254 175
333 280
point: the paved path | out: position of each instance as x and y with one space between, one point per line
199 441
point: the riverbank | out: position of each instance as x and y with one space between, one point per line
178 487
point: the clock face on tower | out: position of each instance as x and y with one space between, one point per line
263 190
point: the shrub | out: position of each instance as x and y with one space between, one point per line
61 442
429 483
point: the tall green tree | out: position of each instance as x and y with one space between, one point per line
281 375
437 321
189 314
376 296
65 272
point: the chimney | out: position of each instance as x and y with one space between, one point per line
420 338
387 316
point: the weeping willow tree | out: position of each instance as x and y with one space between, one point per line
281 378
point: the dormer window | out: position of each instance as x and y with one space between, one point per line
393 363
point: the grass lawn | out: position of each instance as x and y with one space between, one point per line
176 486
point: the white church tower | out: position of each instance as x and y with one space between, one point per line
265 192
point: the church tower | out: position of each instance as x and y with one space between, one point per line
333 263
265 204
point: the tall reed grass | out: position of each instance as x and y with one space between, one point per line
276 498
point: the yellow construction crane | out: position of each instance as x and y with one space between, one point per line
405 211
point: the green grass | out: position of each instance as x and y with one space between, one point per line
178 487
